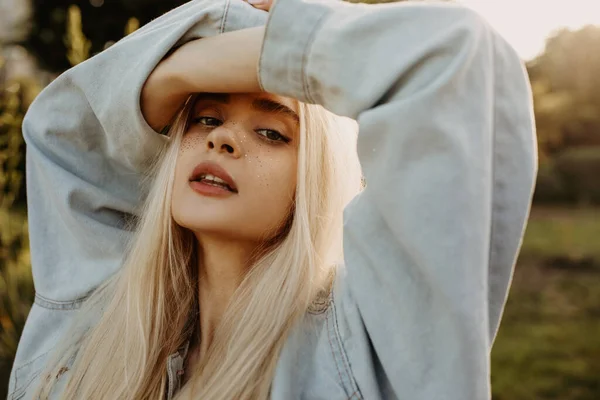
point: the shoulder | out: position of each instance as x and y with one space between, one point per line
331 351
313 362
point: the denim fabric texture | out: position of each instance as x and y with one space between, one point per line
447 146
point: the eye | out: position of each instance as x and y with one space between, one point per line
207 121
272 135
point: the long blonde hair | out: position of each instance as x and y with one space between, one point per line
146 308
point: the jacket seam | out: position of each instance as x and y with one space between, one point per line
319 307
224 19
16 394
343 355
19 390
305 54
171 379
356 395
27 363
493 188
337 367
50 304
260 59
322 302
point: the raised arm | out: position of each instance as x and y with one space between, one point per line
447 147
88 147
231 68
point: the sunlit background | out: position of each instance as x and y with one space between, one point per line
527 23
548 347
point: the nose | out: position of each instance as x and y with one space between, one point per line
224 140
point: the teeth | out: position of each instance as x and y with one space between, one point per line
209 177
214 180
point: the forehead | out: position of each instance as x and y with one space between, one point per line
248 98
264 102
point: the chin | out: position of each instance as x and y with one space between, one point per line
205 222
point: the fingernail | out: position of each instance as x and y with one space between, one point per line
257 2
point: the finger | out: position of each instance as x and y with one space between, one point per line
261 4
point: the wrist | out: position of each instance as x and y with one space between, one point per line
227 63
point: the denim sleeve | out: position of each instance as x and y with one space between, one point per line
447 146
88 148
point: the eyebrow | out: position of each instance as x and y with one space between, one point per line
274 107
262 104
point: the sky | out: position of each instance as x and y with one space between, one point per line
527 23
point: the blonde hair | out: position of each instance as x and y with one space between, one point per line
144 320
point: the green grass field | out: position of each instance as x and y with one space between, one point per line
548 346
563 232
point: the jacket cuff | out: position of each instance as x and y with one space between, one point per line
291 30
241 15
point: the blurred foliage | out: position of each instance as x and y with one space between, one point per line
571 176
16 285
133 24
579 168
566 88
564 233
78 46
102 23
548 345
549 340
16 281
550 187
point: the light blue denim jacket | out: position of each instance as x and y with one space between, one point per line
446 144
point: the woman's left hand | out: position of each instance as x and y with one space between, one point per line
261 4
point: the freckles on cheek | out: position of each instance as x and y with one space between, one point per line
190 142
276 173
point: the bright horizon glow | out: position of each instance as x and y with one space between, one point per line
527 23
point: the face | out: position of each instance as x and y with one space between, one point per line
235 176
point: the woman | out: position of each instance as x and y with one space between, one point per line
220 276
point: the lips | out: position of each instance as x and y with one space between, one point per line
211 173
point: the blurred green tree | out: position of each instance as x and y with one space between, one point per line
566 90
16 285
566 87
102 21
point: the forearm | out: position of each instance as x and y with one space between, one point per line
226 63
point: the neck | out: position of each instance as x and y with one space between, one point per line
222 264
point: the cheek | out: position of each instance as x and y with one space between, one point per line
185 158
276 175
190 142
188 148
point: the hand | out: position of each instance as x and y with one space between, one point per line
261 4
